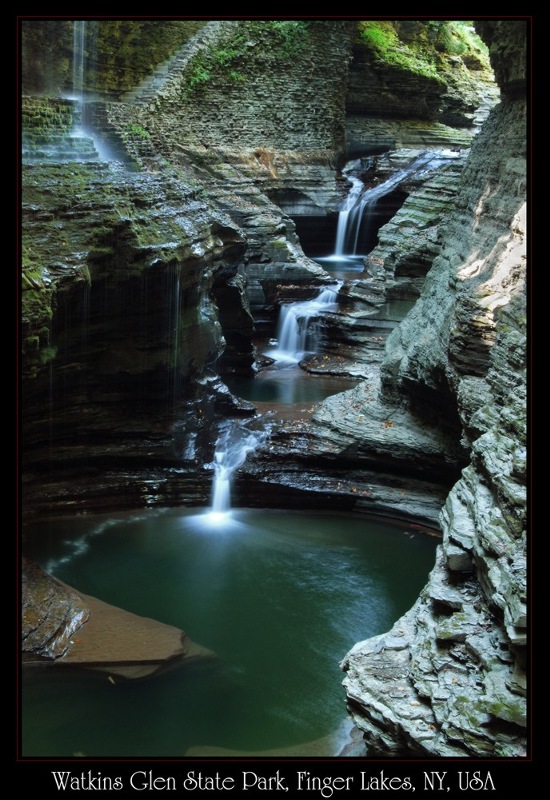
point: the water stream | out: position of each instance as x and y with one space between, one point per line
280 596
233 446
296 332
357 215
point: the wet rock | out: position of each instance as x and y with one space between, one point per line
104 250
466 334
65 628
51 613
372 134
119 311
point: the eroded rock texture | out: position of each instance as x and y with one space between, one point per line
449 679
50 613
122 276
141 281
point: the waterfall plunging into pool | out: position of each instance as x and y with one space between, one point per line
349 204
233 446
296 332
357 212
357 216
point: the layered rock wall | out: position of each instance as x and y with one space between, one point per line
416 84
251 110
450 677
120 332
131 281
262 84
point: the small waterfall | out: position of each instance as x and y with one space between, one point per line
232 448
358 210
296 332
349 203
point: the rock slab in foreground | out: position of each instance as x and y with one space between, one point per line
88 633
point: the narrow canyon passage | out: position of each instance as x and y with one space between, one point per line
273 389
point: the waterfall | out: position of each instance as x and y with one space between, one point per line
232 449
358 210
174 326
79 56
349 203
295 331
86 143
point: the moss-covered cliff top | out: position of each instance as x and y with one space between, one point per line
426 48
419 69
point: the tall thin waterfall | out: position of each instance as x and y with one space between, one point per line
86 144
296 331
79 57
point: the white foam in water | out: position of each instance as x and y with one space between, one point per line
232 449
294 332
359 205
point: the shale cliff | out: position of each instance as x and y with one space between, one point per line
449 679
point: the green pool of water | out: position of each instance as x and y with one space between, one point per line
280 596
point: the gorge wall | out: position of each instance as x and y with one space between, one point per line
143 282
175 243
449 678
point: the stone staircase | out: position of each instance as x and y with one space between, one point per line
51 131
170 70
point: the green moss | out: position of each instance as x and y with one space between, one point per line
511 709
47 354
382 41
423 48
290 37
36 315
463 36
133 129
198 76
119 52
230 61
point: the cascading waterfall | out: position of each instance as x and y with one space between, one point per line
232 448
87 144
356 215
295 331
349 203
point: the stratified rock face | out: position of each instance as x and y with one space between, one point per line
415 84
507 51
262 84
50 613
281 86
137 282
449 679
121 331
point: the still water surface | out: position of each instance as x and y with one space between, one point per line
280 596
